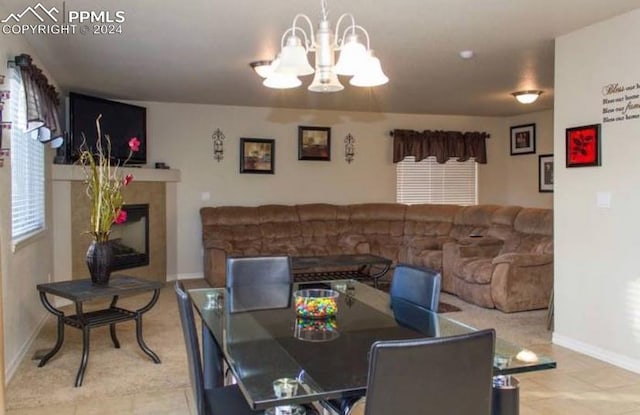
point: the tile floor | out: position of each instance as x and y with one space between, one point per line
580 385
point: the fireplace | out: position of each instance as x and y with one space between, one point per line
130 240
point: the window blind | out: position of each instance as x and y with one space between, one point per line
27 167
429 182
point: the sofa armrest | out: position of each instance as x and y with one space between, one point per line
523 260
215 262
521 281
217 244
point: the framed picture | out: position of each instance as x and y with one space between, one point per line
257 155
523 139
314 143
545 173
583 146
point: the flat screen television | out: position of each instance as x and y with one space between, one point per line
119 120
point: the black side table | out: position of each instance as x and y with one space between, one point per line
80 291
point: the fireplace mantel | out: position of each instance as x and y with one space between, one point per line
70 172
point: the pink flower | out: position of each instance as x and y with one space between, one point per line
128 179
134 144
121 217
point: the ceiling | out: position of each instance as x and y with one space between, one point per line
198 51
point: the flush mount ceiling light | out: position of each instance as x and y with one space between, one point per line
356 58
527 97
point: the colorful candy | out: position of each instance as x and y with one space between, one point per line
315 303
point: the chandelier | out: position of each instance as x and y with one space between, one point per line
355 60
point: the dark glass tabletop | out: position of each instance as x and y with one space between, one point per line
263 340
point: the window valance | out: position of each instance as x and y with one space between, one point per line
442 145
42 101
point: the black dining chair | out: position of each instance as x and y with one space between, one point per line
417 285
456 375
217 401
415 317
258 270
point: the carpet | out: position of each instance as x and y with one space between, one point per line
110 372
442 306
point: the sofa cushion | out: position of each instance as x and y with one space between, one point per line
474 269
472 220
381 224
280 229
429 220
322 226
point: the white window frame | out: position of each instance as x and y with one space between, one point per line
428 181
28 188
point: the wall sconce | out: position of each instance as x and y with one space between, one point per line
218 150
527 97
349 148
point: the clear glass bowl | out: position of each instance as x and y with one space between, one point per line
316 330
316 303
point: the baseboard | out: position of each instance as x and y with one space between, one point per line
12 367
186 276
608 356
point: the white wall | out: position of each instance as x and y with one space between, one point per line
29 265
597 273
180 135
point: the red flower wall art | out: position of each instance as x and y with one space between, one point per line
583 146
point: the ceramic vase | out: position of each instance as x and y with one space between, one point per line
99 258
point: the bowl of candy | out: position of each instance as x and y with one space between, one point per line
316 330
316 303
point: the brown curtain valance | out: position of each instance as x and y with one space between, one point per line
42 100
442 145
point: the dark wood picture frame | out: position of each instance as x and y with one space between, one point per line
314 143
523 139
257 155
545 173
583 146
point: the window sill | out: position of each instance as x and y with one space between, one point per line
28 239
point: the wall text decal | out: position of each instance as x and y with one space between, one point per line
620 102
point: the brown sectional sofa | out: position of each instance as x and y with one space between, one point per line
493 256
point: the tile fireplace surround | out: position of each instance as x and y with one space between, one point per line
157 187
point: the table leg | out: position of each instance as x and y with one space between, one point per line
85 356
139 313
114 338
211 360
379 274
112 327
60 339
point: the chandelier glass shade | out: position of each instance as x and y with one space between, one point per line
356 58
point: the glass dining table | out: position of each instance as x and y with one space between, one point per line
256 330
